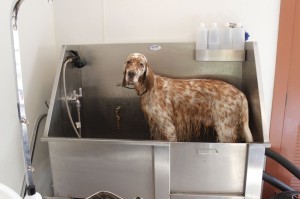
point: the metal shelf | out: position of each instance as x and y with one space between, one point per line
220 55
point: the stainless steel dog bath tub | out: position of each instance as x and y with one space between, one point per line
118 155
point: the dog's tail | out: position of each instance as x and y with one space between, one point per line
245 121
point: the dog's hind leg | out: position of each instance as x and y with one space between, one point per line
245 122
247 133
226 135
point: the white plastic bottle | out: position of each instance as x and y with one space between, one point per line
238 37
226 37
214 41
201 37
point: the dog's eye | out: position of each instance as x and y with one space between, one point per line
141 65
128 62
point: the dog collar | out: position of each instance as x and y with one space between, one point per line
143 93
144 77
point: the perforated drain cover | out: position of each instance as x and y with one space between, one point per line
104 195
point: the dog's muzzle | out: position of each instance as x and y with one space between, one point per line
131 74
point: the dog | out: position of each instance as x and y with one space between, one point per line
177 109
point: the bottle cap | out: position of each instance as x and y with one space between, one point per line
239 25
214 25
227 25
202 25
232 25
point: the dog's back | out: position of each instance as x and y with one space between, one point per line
194 103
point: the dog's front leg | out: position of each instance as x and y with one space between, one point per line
169 132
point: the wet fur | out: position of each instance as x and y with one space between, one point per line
177 109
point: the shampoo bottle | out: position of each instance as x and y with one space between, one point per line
201 37
214 37
226 37
238 37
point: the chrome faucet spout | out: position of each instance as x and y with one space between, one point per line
20 99
15 13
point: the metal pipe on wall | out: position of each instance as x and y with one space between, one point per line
20 97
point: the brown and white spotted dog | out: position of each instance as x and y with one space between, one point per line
177 108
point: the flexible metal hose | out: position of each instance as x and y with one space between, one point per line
66 100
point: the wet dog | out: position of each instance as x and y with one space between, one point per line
176 109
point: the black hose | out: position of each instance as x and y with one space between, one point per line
284 162
46 103
276 183
31 189
35 135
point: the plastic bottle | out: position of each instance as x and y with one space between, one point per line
214 37
34 196
201 37
226 37
238 37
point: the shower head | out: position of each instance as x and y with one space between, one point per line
76 60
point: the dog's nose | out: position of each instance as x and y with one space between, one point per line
131 74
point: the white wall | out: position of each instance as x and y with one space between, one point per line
125 21
112 21
38 63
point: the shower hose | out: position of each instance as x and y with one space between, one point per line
66 100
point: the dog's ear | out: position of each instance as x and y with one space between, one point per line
124 78
149 78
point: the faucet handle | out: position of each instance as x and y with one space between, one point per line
74 94
80 92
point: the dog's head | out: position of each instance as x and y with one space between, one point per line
137 73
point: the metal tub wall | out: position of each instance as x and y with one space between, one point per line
118 155
83 167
